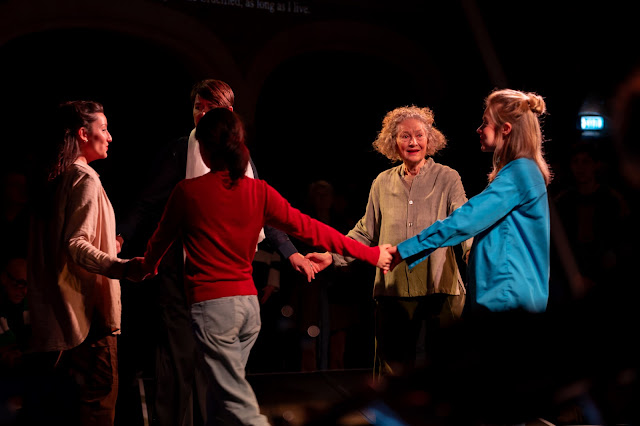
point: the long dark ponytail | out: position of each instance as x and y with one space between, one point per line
221 132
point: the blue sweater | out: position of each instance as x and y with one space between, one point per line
509 259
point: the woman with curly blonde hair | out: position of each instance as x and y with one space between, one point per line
409 305
386 143
509 220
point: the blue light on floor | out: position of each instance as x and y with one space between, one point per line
380 414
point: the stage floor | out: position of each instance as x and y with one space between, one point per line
321 398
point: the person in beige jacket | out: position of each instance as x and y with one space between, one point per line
74 271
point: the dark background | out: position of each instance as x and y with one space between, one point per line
317 113
313 112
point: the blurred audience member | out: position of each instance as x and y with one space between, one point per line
328 310
14 315
14 222
593 216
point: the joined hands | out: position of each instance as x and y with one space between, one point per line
387 260
137 270
304 266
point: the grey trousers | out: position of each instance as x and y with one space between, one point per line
226 330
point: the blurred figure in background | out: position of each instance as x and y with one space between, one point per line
14 315
330 312
14 217
594 216
15 333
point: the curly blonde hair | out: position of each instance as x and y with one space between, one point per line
385 143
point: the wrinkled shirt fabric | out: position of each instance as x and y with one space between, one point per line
510 257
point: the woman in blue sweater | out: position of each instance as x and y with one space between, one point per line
509 259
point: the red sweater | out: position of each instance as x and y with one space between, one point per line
219 227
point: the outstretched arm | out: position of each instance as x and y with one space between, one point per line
281 242
281 214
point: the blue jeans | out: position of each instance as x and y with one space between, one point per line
226 330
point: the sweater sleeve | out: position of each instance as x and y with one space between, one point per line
276 238
478 214
280 214
168 230
81 222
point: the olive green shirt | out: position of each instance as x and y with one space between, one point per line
398 210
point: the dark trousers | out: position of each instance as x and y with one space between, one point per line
404 326
180 388
75 387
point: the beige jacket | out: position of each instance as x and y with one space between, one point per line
72 251
395 213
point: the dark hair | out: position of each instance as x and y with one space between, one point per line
222 134
72 116
216 91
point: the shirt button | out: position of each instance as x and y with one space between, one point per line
410 223
410 201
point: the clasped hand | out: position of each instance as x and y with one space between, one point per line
387 260
388 254
137 270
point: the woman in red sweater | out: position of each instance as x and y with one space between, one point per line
219 217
